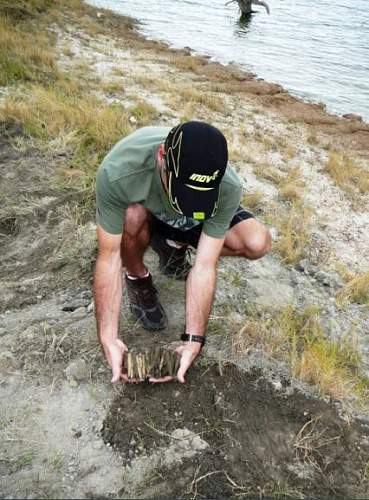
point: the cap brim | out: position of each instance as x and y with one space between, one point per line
198 204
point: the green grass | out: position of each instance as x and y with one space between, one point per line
335 367
22 461
24 56
18 10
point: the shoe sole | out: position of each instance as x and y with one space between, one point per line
147 324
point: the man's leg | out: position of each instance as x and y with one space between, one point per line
248 238
142 294
135 239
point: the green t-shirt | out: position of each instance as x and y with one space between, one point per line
129 174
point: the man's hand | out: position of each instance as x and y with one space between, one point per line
114 352
188 352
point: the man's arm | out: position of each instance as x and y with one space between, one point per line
200 290
108 296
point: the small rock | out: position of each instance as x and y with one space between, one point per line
97 445
298 280
353 116
79 313
323 278
277 384
77 370
132 120
75 304
306 267
198 444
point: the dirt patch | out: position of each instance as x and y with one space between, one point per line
39 222
243 437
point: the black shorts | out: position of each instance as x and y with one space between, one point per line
191 236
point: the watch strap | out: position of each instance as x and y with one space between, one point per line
188 337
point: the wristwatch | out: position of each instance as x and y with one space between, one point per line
188 337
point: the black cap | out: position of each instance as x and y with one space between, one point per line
196 159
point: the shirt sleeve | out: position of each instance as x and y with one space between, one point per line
229 201
110 212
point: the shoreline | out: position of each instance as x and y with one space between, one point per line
353 121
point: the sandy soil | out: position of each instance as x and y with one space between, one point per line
236 429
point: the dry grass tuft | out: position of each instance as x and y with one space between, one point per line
252 334
253 200
144 112
348 175
291 185
155 83
266 171
79 123
190 95
294 234
333 366
356 290
187 62
112 87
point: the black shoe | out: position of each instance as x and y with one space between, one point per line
173 262
144 303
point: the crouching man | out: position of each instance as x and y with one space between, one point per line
169 189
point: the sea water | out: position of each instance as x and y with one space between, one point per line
318 50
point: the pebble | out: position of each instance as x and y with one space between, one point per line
352 116
72 305
277 385
79 313
77 370
97 445
306 267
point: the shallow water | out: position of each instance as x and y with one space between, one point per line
316 49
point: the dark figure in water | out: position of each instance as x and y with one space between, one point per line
246 6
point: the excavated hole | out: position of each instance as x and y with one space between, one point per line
253 439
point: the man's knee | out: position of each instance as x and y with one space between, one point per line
258 244
255 239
